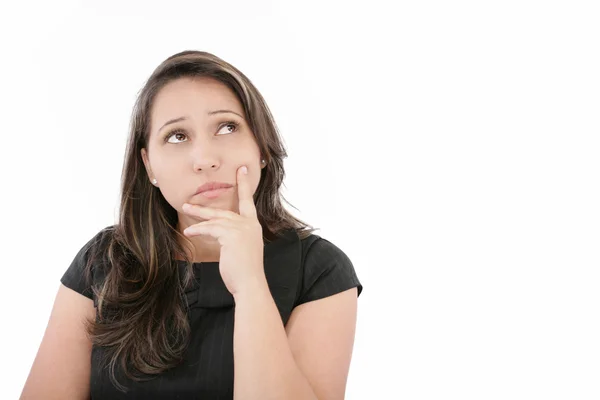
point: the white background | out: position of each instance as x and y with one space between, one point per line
451 149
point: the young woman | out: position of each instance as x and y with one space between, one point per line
206 288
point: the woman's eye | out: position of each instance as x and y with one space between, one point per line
176 134
227 125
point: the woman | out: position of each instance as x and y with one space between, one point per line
206 276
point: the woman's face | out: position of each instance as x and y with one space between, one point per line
198 134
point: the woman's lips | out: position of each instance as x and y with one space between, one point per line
213 194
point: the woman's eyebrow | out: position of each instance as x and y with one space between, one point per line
172 121
224 111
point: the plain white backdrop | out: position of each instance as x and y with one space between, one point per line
451 149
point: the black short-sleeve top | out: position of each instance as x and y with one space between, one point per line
297 271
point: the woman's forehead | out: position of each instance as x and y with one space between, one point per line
193 98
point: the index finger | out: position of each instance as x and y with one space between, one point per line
245 195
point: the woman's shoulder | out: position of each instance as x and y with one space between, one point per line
326 269
82 271
96 246
97 243
315 248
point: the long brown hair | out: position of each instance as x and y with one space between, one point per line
141 320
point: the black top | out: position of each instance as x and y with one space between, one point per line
297 271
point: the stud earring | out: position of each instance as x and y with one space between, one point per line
154 181
263 161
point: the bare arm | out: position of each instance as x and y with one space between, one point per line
321 336
307 360
264 366
61 369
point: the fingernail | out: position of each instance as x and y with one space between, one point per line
244 170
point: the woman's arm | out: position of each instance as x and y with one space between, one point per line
61 369
308 361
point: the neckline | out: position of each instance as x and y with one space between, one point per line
288 235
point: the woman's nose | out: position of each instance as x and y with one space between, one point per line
205 158
206 163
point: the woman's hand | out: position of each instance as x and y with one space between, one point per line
240 235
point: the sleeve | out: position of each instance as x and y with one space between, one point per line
327 271
75 276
